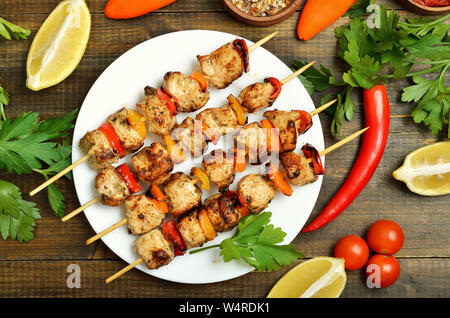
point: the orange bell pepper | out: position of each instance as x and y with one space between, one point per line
175 151
157 193
202 176
274 174
319 14
127 9
273 140
239 111
137 121
200 79
206 224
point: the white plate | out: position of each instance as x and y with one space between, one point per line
122 84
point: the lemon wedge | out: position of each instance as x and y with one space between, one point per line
319 277
426 171
59 44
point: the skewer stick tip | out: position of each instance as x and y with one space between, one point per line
262 41
124 270
322 108
297 72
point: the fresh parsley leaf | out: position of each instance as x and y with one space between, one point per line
256 242
320 80
56 200
25 142
17 216
433 112
4 101
9 30
359 8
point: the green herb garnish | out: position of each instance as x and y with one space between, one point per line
256 242
11 31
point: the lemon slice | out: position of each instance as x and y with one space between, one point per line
426 171
320 277
59 44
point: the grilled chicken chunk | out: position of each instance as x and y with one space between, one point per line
129 137
286 122
189 134
257 191
221 211
142 214
98 147
183 194
253 139
191 230
153 164
221 120
111 187
219 167
160 121
257 96
297 169
185 91
154 249
222 66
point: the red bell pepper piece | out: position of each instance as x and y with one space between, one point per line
126 9
113 139
173 235
305 121
129 178
376 109
276 84
162 96
311 153
241 47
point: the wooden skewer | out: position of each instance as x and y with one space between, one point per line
262 41
80 209
297 72
59 175
322 153
124 270
322 108
108 230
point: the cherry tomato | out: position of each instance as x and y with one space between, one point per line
385 237
382 270
354 250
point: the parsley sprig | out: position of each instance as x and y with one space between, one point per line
17 216
390 51
256 242
4 101
10 30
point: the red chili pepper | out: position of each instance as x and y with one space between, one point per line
126 9
311 153
129 178
241 46
376 108
113 139
162 96
276 86
173 235
305 121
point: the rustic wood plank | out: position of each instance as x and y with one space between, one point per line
419 278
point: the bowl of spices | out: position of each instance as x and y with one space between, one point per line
261 12
427 7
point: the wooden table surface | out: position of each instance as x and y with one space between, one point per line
38 268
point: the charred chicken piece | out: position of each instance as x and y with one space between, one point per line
222 211
154 249
186 92
221 120
222 66
286 123
191 137
257 191
153 164
257 96
191 230
142 214
131 139
252 138
111 187
183 193
160 120
297 169
219 167
98 147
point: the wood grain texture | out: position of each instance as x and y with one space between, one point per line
38 268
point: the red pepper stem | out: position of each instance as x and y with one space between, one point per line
376 109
